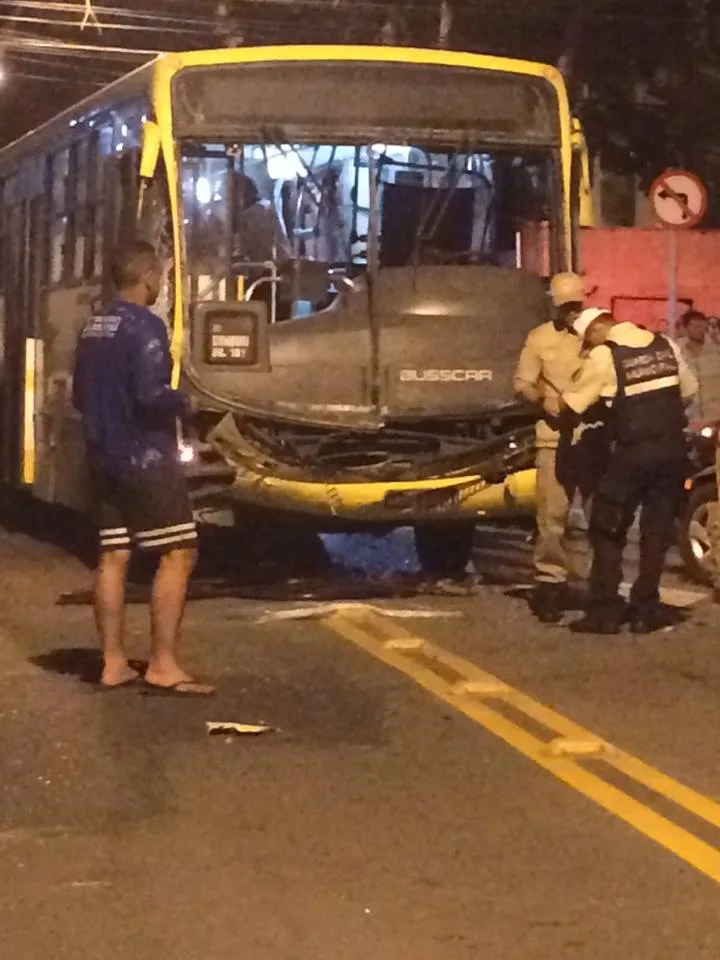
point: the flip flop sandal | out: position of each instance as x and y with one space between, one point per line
101 687
185 688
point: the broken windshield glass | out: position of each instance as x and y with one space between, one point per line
292 223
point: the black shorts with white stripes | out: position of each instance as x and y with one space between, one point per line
150 510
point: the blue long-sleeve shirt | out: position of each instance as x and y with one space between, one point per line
122 389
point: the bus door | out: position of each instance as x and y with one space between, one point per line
13 268
33 329
23 282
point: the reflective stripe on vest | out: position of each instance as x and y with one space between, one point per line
645 369
649 407
637 389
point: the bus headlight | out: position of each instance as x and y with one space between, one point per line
186 453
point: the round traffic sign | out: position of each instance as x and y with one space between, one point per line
679 199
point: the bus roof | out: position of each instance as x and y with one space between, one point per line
133 84
165 66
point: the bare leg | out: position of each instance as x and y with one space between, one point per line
167 607
110 616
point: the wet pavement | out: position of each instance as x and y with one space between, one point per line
381 818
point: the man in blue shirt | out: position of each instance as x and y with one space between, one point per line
130 416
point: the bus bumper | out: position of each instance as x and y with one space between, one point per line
397 503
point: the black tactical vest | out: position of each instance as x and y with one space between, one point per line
649 405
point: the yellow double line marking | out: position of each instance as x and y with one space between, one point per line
567 755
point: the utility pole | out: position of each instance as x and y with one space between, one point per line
445 25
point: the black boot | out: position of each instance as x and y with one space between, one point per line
548 602
650 619
606 621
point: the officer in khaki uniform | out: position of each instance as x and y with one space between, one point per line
568 460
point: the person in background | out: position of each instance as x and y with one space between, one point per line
700 344
260 236
702 355
714 330
568 457
647 385
698 341
130 414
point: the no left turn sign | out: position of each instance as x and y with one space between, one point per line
679 199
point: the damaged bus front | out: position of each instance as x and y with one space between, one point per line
362 239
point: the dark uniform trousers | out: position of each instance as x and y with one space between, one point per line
647 469
645 475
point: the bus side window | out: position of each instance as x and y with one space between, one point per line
128 123
76 203
155 222
3 288
92 223
3 247
59 220
129 187
105 236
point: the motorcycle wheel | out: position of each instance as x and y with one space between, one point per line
694 542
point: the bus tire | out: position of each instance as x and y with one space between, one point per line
444 549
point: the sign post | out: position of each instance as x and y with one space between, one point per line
680 201
673 286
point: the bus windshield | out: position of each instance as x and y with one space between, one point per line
343 208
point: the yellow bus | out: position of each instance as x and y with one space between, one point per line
359 241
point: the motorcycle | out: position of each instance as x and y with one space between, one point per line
701 498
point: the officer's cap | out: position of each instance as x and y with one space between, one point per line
567 288
581 324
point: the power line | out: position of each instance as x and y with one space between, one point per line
128 12
15 43
50 59
47 77
65 70
7 17
345 7
11 41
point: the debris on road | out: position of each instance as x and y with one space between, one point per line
336 587
239 729
321 611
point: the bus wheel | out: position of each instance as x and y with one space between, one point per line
444 549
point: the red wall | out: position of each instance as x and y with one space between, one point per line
627 265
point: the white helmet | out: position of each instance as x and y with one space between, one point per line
582 323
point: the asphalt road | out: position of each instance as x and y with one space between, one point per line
391 815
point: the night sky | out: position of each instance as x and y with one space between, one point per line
39 82
609 50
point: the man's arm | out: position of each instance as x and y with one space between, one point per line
528 373
149 366
594 380
689 385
